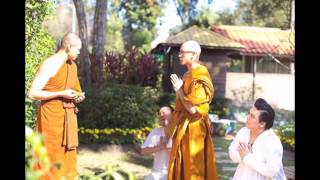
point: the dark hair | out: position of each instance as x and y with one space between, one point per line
266 112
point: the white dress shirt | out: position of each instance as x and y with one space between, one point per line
264 162
161 158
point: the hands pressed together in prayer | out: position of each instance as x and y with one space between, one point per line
244 149
176 82
163 142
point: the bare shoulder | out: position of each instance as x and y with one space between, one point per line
49 67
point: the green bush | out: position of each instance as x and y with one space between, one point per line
114 135
221 107
286 134
39 45
119 106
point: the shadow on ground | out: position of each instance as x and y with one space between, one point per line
136 158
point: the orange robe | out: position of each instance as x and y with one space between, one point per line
192 153
57 122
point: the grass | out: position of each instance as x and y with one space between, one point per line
94 158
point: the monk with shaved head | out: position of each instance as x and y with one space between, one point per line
57 86
192 154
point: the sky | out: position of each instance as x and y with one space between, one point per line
171 19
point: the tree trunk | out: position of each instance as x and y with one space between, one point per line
84 53
292 15
183 16
98 53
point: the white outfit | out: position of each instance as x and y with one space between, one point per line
265 160
161 158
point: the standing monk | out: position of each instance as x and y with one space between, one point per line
57 86
192 154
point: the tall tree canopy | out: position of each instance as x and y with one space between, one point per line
140 18
265 13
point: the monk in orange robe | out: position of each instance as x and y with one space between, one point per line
57 86
192 154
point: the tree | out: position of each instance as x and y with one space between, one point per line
84 57
186 9
91 67
226 17
114 29
265 13
204 18
97 58
140 17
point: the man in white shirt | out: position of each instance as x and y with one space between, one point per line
157 145
256 147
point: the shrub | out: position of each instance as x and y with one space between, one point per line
39 45
114 135
132 68
221 107
286 134
119 105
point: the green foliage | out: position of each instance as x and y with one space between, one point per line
114 39
286 134
119 105
114 135
140 22
39 45
36 12
35 153
226 17
263 13
141 39
205 18
235 65
186 9
221 107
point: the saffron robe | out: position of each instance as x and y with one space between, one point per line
192 154
57 122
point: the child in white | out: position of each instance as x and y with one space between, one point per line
159 147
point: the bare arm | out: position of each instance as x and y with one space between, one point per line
150 150
41 78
